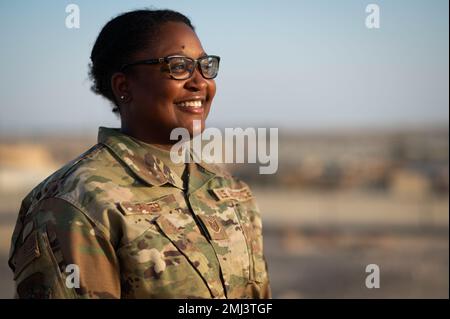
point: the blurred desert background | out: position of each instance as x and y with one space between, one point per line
341 200
362 114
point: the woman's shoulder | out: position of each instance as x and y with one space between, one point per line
93 164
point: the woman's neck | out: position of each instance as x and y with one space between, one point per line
156 141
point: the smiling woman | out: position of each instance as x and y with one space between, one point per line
124 221
143 62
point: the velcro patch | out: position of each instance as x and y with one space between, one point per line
128 208
142 208
240 194
28 252
214 226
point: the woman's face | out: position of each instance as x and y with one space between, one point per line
153 108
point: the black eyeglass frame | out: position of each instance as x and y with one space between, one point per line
167 59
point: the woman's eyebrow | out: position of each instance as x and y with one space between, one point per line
183 54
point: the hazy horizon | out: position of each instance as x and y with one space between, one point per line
311 65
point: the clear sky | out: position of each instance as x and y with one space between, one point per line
296 64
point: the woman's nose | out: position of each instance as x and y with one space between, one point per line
196 82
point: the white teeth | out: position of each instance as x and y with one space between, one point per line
193 104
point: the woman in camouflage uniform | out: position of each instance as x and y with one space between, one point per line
124 221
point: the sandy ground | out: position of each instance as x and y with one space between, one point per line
318 244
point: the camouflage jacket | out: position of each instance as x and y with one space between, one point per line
117 222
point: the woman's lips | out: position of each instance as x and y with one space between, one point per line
193 107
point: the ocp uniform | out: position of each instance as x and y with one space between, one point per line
137 227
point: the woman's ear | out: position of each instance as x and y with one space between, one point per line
120 88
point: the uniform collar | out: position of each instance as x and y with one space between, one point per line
143 161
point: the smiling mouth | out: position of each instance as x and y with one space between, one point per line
194 106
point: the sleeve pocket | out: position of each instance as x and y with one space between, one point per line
37 272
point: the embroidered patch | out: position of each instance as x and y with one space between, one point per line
128 208
142 208
214 226
241 194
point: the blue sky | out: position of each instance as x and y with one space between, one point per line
293 64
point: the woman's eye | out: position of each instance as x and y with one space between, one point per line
207 65
178 67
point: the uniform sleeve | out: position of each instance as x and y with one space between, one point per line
266 291
60 253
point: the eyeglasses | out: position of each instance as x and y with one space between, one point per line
182 68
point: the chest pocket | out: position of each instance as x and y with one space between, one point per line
170 258
241 201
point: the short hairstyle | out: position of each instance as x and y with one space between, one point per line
119 39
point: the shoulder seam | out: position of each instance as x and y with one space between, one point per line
87 154
65 171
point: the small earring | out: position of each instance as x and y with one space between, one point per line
122 97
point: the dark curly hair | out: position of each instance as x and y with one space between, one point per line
119 39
